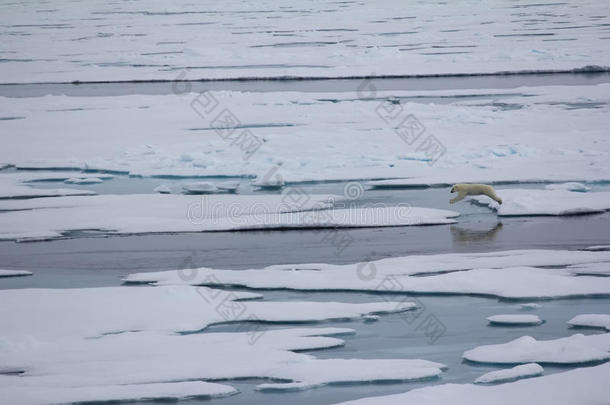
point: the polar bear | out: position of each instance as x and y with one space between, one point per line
464 189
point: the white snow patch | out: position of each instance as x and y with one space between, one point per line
591 320
587 385
514 320
576 349
512 374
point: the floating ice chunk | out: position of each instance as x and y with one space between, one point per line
587 385
591 320
576 349
271 183
14 273
528 306
514 320
590 269
228 185
200 187
206 187
340 371
370 318
511 374
163 189
570 186
83 180
522 202
598 248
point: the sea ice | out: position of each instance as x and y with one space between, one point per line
528 306
160 309
518 202
140 336
591 320
351 136
143 213
570 186
493 274
201 187
318 40
163 189
512 374
575 349
587 385
14 273
84 180
515 320
591 269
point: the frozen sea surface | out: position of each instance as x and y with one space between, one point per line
100 41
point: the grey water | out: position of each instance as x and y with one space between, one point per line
315 86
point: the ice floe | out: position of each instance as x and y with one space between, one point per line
166 309
346 40
597 248
587 385
14 273
83 180
575 349
206 187
591 321
143 213
511 374
529 306
163 189
134 337
517 202
352 136
507 274
514 320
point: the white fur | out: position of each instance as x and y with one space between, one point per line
464 189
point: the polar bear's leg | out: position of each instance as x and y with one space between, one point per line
491 194
459 197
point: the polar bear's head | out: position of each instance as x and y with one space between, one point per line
456 188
